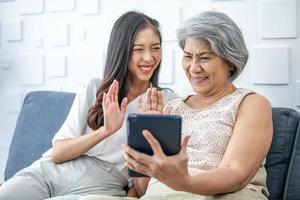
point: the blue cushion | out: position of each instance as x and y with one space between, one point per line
292 186
42 114
285 123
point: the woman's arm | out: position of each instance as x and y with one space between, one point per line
132 192
70 148
247 148
139 187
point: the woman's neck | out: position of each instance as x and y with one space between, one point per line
198 101
136 88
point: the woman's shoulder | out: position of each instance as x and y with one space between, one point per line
89 89
255 102
92 83
252 96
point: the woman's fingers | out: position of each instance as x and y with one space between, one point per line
131 153
148 99
124 104
111 94
104 100
132 164
154 99
160 101
155 145
116 91
167 110
184 143
112 97
140 105
139 162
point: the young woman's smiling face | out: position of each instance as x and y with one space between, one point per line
145 55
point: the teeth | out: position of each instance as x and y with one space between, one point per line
200 78
145 68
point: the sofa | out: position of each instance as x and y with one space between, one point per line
43 112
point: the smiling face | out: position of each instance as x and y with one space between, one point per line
207 72
145 56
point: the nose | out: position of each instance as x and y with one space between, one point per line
195 66
147 56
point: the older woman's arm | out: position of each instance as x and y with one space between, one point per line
247 148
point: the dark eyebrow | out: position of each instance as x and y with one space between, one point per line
156 44
141 45
138 45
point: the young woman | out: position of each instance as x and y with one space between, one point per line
86 157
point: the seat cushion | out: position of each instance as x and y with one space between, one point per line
285 123
42 114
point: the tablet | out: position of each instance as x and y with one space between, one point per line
165 128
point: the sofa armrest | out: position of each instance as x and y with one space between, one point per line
285 125
292 184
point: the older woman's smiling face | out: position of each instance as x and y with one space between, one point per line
206 71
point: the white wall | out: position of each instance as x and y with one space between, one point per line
57 44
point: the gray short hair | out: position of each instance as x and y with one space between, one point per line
223 35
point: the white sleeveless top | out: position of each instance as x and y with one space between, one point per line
210 129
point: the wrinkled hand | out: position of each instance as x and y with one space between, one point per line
170 170
113 113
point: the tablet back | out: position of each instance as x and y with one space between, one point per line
165 128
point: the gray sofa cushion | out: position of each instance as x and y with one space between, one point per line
285 123
41 116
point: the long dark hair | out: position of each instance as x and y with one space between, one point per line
118 56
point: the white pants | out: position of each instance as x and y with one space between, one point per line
159 191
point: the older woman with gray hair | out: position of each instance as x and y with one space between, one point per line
227 130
